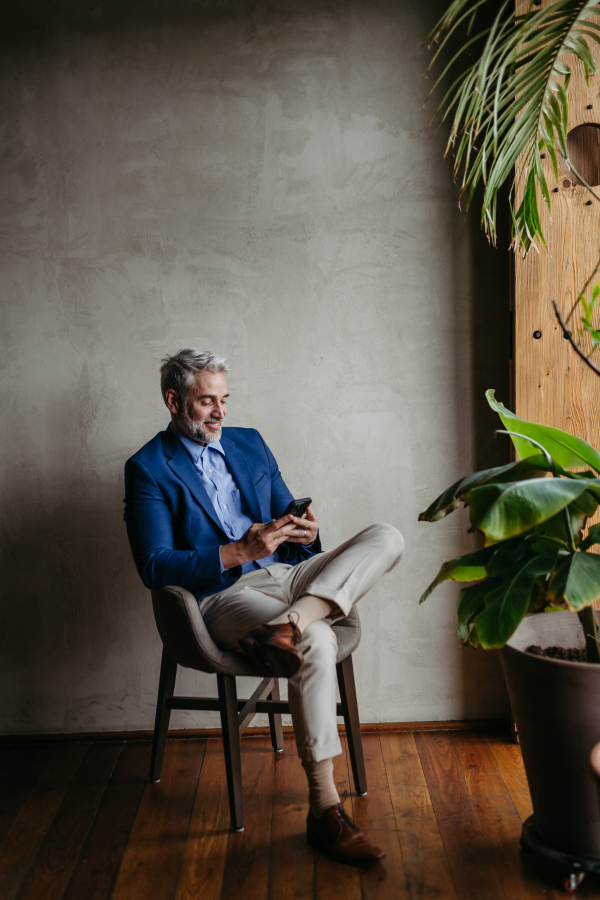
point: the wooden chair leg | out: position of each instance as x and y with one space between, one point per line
166 689
231 748
275 721
345 674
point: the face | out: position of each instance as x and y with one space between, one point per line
201 414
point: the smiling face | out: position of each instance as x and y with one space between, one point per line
200 416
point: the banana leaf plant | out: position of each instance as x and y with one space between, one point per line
532 514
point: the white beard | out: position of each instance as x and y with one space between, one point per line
196 430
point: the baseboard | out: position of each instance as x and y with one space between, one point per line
203 733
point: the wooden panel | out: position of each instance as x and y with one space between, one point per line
35 817
203 864
153 855
62 845
498 818
247 863
335 881
471 862
552 385
96 870
425 863
374 814
20 768
291 871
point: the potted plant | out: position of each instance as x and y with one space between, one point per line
531 591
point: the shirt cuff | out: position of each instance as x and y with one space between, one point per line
223 569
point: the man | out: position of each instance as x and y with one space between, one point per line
204 508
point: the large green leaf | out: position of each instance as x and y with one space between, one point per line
471 567
577 581
502 511
508 603
471 600
566 449
450 499
593 537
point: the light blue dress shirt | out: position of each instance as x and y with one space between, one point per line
224 494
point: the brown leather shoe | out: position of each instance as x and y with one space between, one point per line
336 835
274 646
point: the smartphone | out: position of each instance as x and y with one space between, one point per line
298 507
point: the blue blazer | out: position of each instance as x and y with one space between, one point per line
172 526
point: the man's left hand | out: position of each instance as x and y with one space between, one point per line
307 529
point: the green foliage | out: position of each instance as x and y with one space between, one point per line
586 319
535 557
509 102
566 449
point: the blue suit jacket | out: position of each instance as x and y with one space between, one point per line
172 526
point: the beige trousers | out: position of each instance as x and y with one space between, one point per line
343 576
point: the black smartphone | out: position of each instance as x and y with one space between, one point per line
298 507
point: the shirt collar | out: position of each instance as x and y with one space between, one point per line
196 451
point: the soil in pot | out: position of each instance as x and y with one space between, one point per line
573 654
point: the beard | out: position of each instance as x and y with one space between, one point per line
196 430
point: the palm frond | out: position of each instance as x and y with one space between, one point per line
509 103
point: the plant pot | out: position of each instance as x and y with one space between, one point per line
556 705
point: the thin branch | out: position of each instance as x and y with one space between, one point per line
567 334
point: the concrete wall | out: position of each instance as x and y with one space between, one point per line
253 178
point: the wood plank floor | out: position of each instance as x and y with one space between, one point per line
79 821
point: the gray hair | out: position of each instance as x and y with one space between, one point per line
177 372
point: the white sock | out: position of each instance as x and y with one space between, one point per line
306 610
322 792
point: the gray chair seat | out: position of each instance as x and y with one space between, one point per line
186 642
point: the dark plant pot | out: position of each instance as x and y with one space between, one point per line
556 705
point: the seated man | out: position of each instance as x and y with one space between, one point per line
204 508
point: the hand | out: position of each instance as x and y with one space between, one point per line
259 541
306 528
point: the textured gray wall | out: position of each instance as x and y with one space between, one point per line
253 178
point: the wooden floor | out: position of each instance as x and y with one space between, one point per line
79 821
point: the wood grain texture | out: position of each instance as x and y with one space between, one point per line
552 385
498 818
203 863
469 855
427 871
335 881
20 768
374 814
58 855
98 864
21 844
247 862
152 858
509 760
292 866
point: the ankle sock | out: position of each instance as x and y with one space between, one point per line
322 793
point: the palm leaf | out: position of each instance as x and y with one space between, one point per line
510 101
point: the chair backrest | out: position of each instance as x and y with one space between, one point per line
188 643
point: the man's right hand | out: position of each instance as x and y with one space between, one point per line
259 541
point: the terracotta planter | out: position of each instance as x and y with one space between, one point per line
556 705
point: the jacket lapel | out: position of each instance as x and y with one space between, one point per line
180 463
238 466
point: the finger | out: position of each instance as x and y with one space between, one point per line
310 515
284 520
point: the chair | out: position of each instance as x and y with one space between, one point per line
186 642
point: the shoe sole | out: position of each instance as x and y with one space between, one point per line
282 663
358 863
